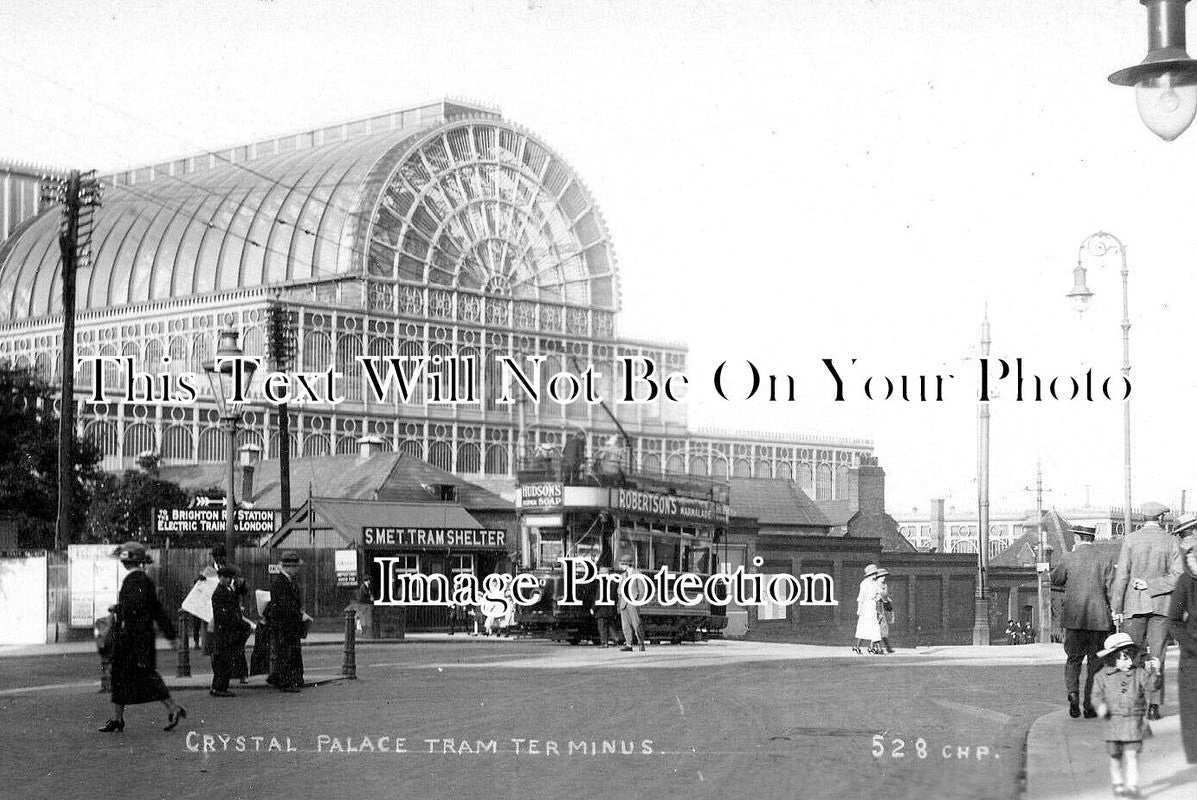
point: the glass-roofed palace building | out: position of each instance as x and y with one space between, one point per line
433 230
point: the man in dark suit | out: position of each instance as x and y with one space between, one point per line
285 615
229 630
1086 575
1148 568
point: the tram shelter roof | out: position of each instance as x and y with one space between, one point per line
339 523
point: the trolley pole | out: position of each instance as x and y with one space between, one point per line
1045 606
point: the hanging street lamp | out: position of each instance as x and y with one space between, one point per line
1166 81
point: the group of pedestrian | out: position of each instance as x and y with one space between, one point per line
277 646
1117 617
1019 632
874 613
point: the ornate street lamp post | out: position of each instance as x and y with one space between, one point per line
226 375
981 608
1098 245
1166 81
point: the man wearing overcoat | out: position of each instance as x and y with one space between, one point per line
1148 568
1086 575
285 615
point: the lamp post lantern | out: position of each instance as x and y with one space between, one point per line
1098 245
229 376
1166 80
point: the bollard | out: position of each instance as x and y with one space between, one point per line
349 665
183 667
105 676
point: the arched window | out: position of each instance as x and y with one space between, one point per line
349 347
841 482
742 469
823 486
784 471
316 445
806 479
763 469
469 458
176 443
317 351
676 465
698 465
102 434
213 445
139 438
650 464
496 459
412 447
440 454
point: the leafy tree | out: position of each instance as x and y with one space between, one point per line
29 460
123 509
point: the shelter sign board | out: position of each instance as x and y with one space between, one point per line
346 566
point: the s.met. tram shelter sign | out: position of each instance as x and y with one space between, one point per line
452 538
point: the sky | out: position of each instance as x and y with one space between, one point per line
784 182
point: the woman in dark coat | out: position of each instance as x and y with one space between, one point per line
1183 613
135 677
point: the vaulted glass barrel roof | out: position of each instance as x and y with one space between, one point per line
471 202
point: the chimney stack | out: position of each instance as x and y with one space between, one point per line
870 482
250 455
368 447
939 530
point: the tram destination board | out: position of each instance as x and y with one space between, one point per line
207 521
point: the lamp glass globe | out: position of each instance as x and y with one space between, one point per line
1167 103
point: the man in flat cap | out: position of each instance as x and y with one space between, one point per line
229 631
1086 575
1148 568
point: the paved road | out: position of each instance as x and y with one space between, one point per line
712 720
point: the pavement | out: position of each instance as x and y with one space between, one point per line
314 639
1066 757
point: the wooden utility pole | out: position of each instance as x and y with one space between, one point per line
79 195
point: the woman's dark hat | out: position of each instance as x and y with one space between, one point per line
228 571
290 559
1084 530
132 553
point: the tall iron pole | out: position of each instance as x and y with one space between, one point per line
981 616
1126 415
79 194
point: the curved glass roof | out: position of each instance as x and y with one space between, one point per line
470 203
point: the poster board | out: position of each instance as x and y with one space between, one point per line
95 580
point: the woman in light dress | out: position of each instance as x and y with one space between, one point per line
868 623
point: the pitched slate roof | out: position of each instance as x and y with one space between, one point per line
775 502
346 518
395 477
875 525
1022 551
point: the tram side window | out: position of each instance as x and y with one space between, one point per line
665 553
551 547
